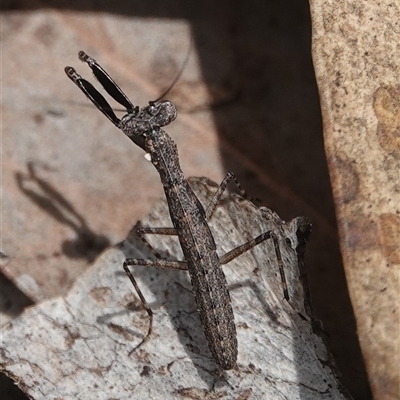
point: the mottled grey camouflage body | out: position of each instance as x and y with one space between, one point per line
189 219
143 127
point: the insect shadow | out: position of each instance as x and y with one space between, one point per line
87 244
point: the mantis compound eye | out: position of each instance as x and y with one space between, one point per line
166 113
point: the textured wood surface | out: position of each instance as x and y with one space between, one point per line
77 346
356 56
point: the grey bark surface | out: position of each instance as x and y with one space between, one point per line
77 346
